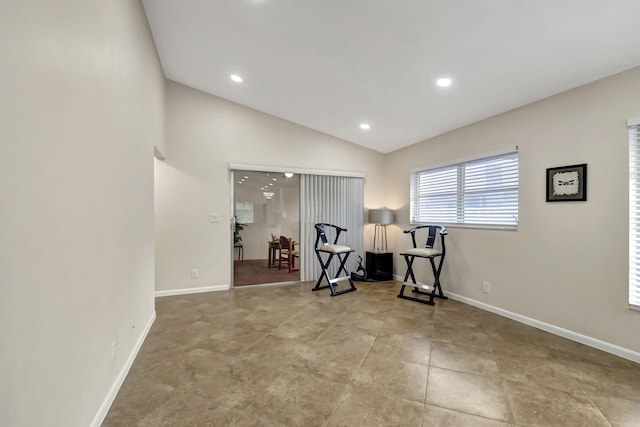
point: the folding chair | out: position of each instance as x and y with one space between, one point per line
430 251
322 246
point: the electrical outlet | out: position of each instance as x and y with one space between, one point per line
114 351
195 274
214 217
486 287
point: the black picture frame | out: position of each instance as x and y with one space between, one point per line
567 183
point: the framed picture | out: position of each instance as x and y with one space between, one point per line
567 183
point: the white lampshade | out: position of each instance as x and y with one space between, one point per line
381 216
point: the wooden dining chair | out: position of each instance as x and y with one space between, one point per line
288 254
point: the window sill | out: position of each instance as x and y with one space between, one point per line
475 226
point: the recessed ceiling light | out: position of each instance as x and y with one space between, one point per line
236 78
444 82
365 126
246 177
275 179
288 174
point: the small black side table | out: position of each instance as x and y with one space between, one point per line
379 265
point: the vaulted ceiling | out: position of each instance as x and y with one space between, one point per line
332 65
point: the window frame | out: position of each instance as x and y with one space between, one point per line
633 126
458 165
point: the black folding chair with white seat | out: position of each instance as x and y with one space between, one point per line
431 250
331 250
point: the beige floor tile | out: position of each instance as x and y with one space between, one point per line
346 344
408 326
232 340
242 418
468 393
336 355
303 332
620 412
569 352
405 348
186 410
361 319
441 417
138 397
537 371
469 319
320 365
505 343
462 358
369 305
296 399
470 336
380 376
605 380
410 310
545 407
274 352
375 410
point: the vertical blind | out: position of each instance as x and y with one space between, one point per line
335 200
479 192
634 213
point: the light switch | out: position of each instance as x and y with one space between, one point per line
214 217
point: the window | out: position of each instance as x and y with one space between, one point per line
634 213
481 192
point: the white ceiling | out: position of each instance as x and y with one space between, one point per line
332 64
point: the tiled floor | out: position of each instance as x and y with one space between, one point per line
286 356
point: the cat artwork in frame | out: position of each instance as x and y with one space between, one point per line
567 183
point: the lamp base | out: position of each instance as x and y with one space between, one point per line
380 238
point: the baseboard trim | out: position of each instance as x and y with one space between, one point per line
565 333
262 285
117 383
172 292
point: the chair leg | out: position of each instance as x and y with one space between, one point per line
436 275
323 274
331 283
409 260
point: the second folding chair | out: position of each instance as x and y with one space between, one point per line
430 251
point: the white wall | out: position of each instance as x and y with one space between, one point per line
205 134
567 262
81 109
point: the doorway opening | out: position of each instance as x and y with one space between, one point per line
266 213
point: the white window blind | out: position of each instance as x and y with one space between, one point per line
482 192
634 213
335 200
